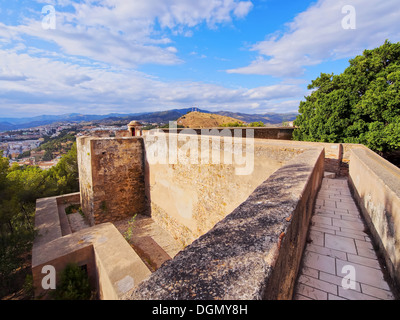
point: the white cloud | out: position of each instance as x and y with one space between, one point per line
316 35
128 33
243 9
273 92
101 44
47 85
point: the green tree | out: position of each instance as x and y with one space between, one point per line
257 124
48 155
3 172
65 174
5 196
74 284
361 105
25 154
233 124
16 226
19 189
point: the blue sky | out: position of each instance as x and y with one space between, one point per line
103 56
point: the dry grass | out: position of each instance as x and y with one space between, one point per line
205 120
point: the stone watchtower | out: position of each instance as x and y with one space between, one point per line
112 175
135 128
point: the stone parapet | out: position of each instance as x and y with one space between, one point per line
376 187
244 233
255 251
280 133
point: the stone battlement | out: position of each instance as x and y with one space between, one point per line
240 207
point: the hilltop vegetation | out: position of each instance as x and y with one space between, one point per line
205 120
209 120
361 105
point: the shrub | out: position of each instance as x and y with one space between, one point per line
74 284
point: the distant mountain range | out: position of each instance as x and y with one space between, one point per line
158 117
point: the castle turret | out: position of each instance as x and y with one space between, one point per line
135 128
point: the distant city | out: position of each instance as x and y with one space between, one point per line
23 146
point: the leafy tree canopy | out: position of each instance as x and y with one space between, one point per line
257 124
361 105
19 189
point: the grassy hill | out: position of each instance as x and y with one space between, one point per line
205 120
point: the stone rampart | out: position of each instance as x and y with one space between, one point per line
376 186
255 251
243 218
280 133
189 197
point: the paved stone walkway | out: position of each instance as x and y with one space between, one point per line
339 248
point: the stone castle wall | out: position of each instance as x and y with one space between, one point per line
244 233
255 251
188 199
278 133
111 174
376 188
